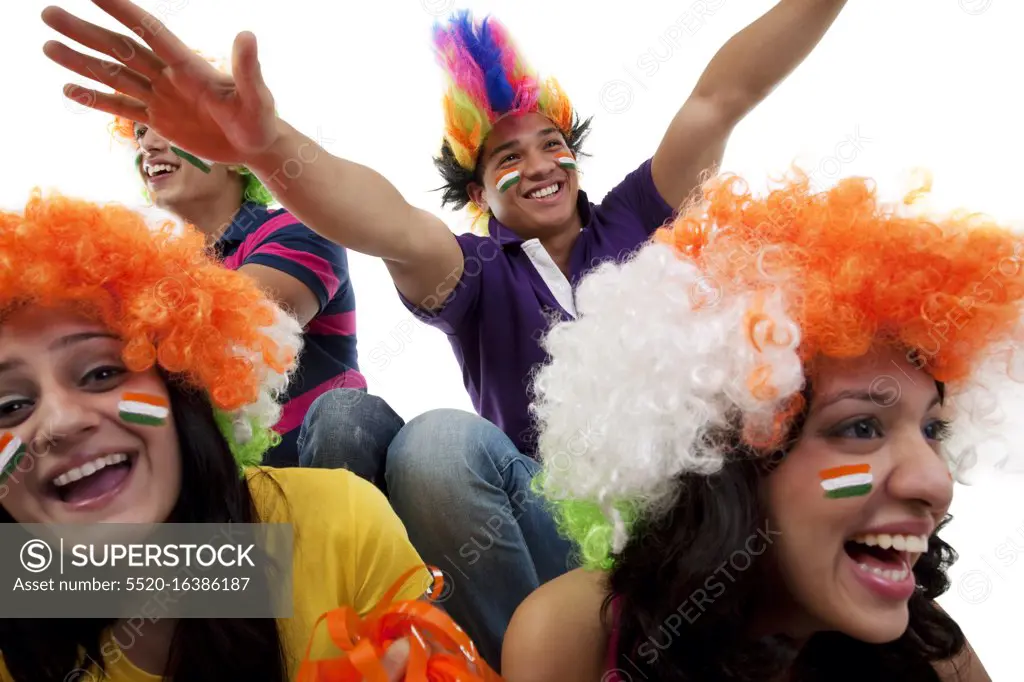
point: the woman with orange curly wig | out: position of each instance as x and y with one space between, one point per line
139 381
756 458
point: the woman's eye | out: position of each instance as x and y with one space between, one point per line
102 374
864 428
938 430
11 407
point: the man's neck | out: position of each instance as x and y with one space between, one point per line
559 244
210 216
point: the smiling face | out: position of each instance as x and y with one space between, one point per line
529 179
98 447
173 182
858 496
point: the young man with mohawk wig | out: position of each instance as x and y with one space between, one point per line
510 153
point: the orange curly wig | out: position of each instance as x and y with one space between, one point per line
169 299
858 273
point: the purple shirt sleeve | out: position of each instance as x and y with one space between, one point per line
638 196
296 250
461 306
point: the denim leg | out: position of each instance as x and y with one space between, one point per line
350 429
463 492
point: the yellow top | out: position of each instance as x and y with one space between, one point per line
350 547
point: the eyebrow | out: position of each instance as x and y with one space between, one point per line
62 343
514 143
879 398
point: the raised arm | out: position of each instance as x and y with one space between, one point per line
360 209
231 119
739 77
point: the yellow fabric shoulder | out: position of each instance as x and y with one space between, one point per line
350 547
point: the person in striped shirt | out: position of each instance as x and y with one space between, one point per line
329 418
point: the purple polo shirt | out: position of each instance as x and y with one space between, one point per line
511 290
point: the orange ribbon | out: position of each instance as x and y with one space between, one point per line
439 651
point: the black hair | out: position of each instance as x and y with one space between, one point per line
202 650
670 560
457 179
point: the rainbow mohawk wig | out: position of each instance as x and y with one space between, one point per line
489 79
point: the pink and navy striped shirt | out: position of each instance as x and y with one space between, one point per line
276 239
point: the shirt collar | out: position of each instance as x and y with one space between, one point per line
505 236
249 216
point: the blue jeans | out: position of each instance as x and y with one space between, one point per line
462 489
350 429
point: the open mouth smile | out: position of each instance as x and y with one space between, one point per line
158 172
547 193
883 562
94 483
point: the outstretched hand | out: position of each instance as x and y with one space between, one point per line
167 86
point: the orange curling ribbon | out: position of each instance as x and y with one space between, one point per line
439 651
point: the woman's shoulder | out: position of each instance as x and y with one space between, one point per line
295 494
560 632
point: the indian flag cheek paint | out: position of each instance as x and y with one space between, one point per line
507 179
201 164
566 161
853 480
144 409
11 452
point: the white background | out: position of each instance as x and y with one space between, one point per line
932 83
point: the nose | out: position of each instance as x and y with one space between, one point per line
921 475
538 165
152 143
61 421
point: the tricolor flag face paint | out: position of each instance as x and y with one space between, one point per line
11 452
847 481
201 164
566 161
507 179
144 409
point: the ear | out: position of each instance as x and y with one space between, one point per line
477 194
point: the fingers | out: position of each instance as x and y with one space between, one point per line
112 74
122 48
246 71
115 105
395 660
165 44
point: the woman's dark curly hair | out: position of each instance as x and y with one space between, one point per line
457 179
670 560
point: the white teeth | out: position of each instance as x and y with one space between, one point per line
544 191
915 544
159 168
89 468
895 576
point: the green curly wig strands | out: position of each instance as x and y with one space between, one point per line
251 453
585 525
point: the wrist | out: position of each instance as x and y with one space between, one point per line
270 158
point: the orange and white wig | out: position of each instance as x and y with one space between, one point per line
173 304
716 322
